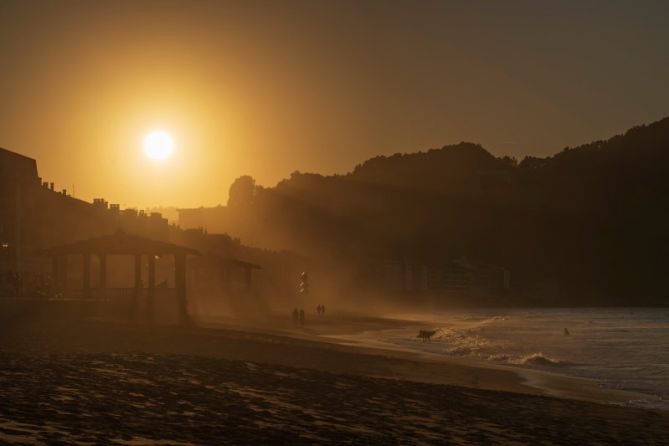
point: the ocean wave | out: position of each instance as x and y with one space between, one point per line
542 360
460 351
499 357
611 346
482 320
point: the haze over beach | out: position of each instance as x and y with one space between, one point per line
334 222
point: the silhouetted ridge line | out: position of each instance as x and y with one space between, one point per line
584 226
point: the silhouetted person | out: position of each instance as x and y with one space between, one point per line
566 332
322 310
295 317
301 317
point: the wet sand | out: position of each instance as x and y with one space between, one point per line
113 383
396 362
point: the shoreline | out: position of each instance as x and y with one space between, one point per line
74 381
484 375
323 345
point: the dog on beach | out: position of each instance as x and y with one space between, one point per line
426 335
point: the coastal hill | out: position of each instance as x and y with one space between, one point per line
588 223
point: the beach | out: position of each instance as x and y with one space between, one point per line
99 382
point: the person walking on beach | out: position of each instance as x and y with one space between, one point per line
295 317
301 318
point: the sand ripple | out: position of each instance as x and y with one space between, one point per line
179 399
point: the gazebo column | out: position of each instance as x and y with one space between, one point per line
180 285
138 287
138 273
87 275
152 284
103 271
152 274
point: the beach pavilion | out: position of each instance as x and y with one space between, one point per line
225 269
122 244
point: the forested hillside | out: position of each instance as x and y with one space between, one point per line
591 219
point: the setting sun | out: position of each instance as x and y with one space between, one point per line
158 145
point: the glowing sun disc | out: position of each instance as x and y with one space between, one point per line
158 145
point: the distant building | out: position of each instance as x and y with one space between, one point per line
191 218
18 181
212 218
457 277
34 216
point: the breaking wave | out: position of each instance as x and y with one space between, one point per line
534 359
499 357
619 348
542 360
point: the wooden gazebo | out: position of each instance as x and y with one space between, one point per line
121 243
224 266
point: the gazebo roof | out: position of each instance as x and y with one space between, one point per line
226 261
119 243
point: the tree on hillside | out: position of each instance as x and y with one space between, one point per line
242 192
588 223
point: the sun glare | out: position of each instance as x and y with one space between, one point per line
158 145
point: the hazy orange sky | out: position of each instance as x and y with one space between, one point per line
266 88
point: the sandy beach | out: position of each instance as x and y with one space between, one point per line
103 383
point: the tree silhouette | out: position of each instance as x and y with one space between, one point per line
242 192
589 222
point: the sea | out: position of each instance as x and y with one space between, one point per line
620 348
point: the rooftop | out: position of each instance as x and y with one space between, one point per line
119 243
